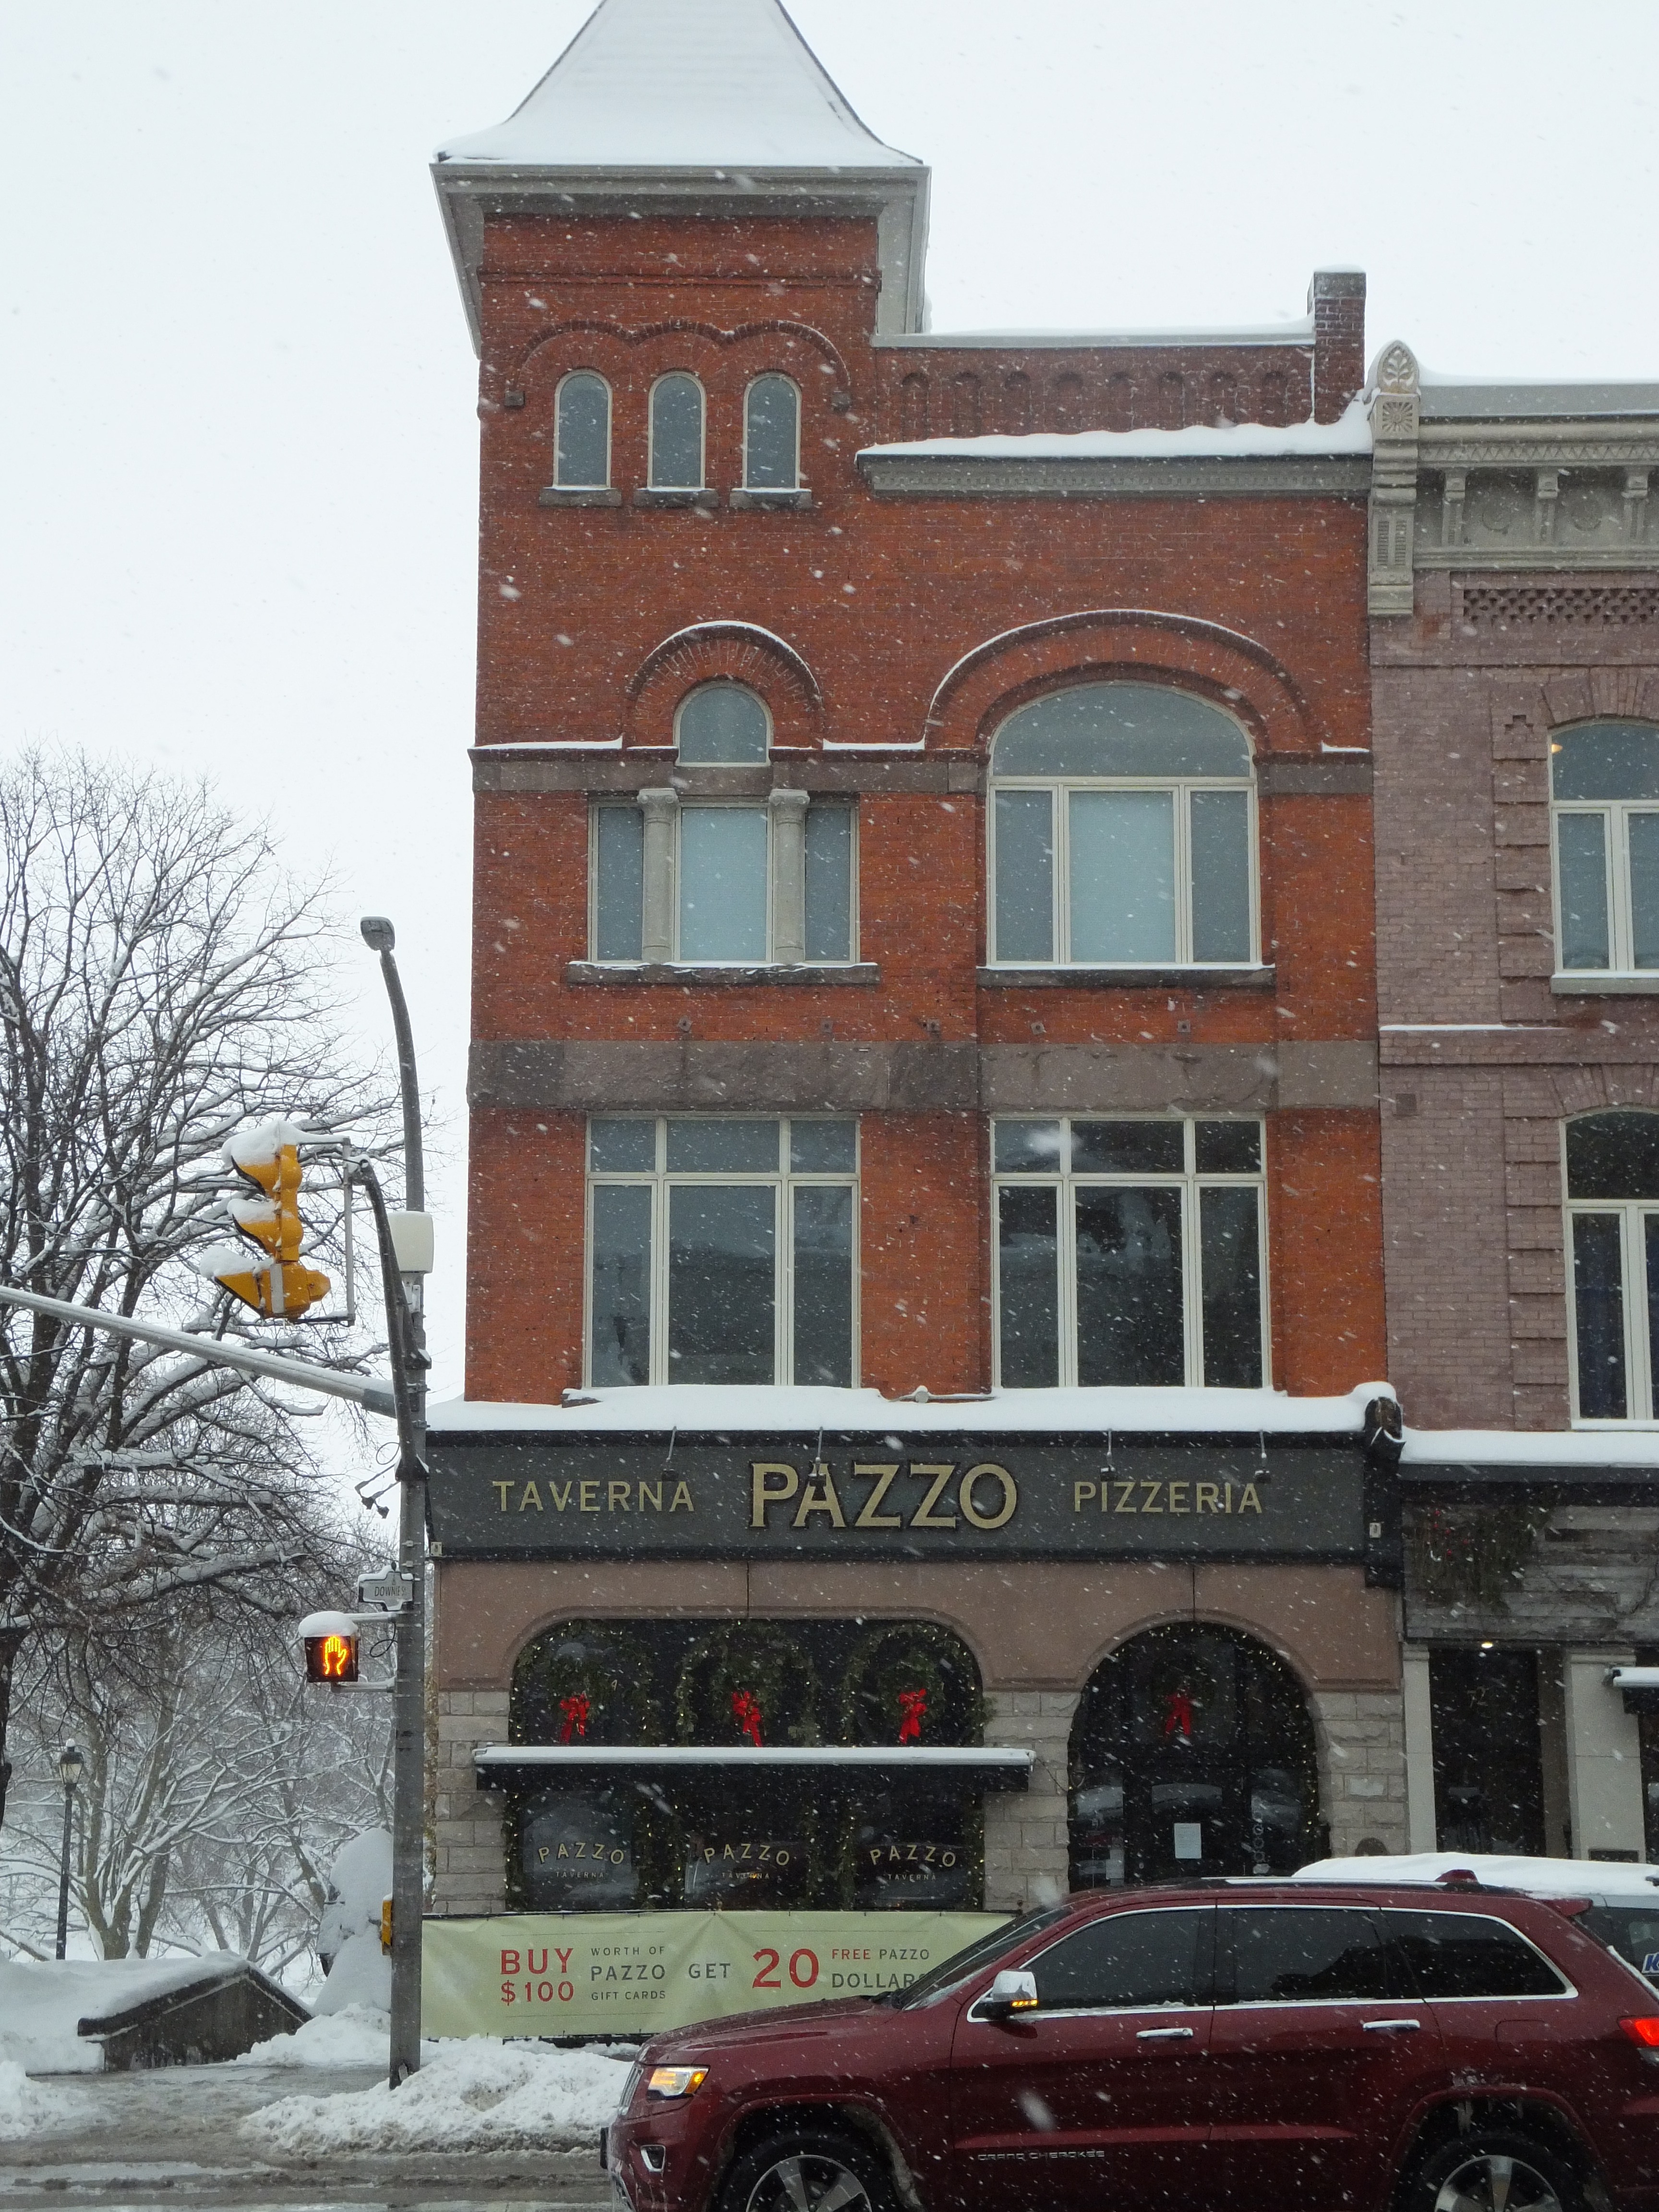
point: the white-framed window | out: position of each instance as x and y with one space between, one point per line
1604 791
1130 1251
723 724
771 434
676 432
1611 1162
722 1250
1122 832
737 881
581 432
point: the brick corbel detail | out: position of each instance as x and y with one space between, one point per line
738 652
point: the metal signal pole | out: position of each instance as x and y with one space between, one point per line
405 1316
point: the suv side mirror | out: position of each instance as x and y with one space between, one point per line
1013 1992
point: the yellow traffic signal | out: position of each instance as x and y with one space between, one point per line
385 1924
284 1288
330 1647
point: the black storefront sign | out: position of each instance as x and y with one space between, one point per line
497 1495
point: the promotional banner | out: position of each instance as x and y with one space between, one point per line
630 1974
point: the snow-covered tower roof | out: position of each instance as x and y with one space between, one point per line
689 103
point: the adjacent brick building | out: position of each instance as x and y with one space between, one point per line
1514 589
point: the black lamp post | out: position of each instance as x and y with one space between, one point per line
69 1764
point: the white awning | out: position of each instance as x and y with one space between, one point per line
1632 1678
997 1766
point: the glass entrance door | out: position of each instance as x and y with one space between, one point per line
1192 1754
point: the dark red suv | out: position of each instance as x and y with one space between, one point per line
1257 2046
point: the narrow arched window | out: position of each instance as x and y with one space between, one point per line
1122 832
1612 1216
677 411
724 723
771 436
1604 788
581 441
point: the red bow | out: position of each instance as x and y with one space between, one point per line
575 1710
1180 1713
913 1710
745 1711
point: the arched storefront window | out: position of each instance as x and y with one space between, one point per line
1122 832
680 1833
1612 1219
1192 1754
771 436
1604 790
677 417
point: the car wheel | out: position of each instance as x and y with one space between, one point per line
808 2171
1489 2171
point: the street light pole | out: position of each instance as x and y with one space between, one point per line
69 1763
409 1692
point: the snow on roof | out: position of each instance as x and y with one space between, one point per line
42 2002
1532 1447
1350 433
702 1408
682 84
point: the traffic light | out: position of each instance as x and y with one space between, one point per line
385 1924
284 1288
330 1647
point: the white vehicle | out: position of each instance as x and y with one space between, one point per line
1624 1895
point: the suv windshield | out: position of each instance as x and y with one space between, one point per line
956 1968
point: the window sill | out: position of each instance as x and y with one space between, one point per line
1586 983
574 496
746 502
1160 979
699 976
649 496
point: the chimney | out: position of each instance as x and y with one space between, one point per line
1336 301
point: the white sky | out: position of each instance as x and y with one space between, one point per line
237 475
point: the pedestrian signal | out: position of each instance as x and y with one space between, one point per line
330 1647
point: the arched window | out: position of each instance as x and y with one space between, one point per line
677 433
1613 1208
1122 832
581 445
722 722
1604 783
771 436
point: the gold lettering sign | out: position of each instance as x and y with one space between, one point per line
986 1497
619 1497
1112 1494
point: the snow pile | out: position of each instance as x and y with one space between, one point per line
42 2001
476 2095
26 2105
348 1936
354 2035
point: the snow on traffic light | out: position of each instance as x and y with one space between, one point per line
267 1157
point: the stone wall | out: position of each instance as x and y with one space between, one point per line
469 1875
1362 1767
1027 1841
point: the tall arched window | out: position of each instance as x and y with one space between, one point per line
1604 784
771 436
677 433
1612 1218
581 443
1122 832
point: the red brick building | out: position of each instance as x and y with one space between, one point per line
924 1129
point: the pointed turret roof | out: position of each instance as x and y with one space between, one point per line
680 84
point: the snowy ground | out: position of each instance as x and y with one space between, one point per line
483 2123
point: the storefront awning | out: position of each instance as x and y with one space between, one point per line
1640 1686
992 1767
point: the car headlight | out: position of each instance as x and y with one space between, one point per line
676 2081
